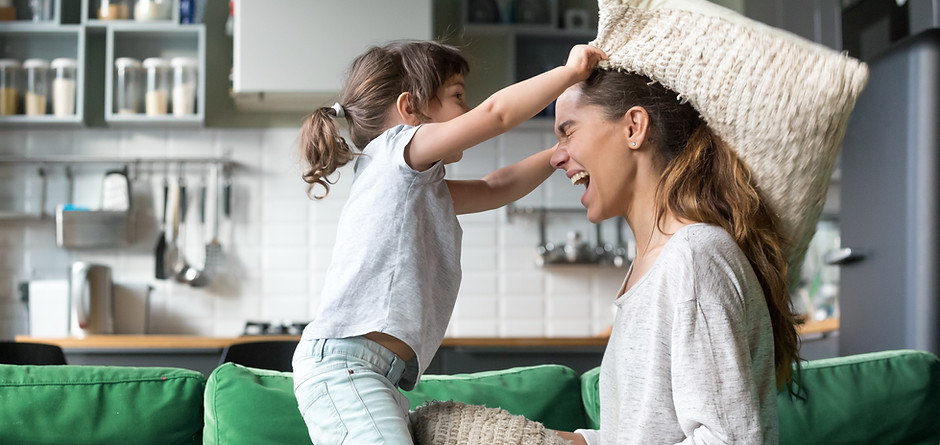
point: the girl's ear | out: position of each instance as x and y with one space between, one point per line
636 123
406 110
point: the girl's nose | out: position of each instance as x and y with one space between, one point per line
559 157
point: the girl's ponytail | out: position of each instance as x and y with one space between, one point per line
323 148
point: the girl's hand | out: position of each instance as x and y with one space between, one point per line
583 58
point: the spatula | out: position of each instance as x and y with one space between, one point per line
213 247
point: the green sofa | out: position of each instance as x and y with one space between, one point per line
890 397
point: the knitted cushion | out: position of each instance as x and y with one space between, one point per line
781 102
455 423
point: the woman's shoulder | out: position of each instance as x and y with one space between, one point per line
706 249
703 239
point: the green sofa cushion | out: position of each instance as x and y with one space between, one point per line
100 405
252 406
890 397
591 397
550 394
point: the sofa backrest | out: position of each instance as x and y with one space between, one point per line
890 397
251 406
100 405
884 398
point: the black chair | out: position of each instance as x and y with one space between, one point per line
270 354
13 353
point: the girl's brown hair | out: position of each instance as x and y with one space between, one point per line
373 84
704 180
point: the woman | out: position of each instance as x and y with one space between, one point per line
704 335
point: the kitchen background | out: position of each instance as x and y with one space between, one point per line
277 242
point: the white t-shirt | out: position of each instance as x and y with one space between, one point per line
396 262
691 356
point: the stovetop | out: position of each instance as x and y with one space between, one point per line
274 327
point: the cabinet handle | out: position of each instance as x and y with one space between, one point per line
844 256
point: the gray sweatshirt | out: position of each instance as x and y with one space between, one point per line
691 355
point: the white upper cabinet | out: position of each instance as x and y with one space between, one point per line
293 54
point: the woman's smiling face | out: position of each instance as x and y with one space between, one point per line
593 151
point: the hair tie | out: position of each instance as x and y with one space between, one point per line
340 112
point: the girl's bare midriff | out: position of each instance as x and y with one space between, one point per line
393 344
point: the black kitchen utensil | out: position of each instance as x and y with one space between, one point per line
160 250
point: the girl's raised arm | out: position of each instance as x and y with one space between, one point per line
500 112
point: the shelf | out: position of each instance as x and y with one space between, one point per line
89 15
22 41
506 50
141 40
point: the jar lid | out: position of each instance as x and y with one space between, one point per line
64 62
126 62
9 63
155 62
35 63
185 62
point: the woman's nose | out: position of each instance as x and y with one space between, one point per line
559 157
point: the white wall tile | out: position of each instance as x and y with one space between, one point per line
473 307
569 329
478 283
570 280
522 283
570 309
475 328
519 328
478 259
285 259
149 143
50 142
274 284
517 308
13 142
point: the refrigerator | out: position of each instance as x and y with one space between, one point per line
889 295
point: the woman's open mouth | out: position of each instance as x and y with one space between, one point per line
580 178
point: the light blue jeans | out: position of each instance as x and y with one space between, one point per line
347 392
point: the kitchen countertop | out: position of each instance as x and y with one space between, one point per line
164 342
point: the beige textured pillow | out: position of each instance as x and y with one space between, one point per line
456 423
782 102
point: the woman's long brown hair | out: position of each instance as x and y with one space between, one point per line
704 180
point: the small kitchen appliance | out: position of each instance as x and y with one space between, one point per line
91 299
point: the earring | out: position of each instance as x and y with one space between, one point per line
633 144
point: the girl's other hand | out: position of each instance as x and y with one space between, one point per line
583 59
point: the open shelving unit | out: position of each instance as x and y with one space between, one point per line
77 33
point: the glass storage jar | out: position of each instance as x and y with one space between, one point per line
41 10
114 10
185 79
128 83
37 86
147 10
64 83
9 88
157 98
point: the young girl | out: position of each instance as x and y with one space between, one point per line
395 271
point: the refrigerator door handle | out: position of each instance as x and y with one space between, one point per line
843 256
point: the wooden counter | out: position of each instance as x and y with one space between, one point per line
144 342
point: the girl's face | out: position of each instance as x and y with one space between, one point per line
450 102
593 151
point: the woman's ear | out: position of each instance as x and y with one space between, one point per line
409 115
636 123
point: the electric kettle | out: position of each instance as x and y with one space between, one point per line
90 300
